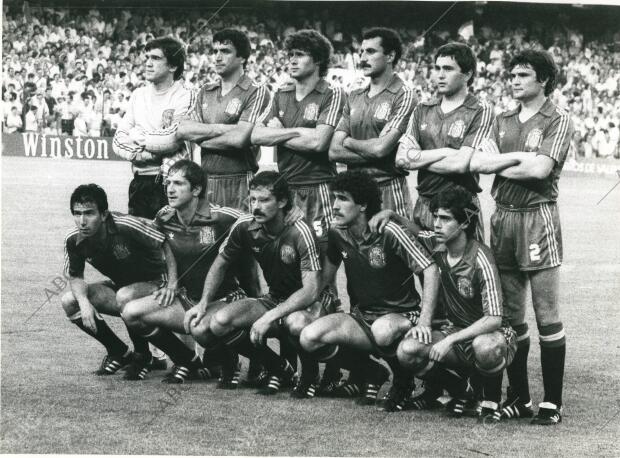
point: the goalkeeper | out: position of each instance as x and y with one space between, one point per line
145 135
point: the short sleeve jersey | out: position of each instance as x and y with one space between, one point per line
380 269
548 132
195 246
244 102
471 288
128 251
323 105
282 258
367 117
466 125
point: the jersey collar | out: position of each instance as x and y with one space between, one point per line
546 110
393 86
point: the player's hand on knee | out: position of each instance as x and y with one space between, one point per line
193 316
440 350
422 333
165 296
378 222
293 215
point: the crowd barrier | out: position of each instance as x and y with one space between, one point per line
31 144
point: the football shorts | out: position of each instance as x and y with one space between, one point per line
395 196
465 352
230 190
316 201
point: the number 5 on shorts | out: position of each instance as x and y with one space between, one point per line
318 228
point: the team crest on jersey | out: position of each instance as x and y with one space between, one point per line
457 129
423 126
287 254
207 235
533 139
376 257
120 251
166 118
465 288
383 111
311 113
233 106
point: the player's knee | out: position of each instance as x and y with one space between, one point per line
69 303
310 337
221 323
410 352
131 314
488 350
199 331
123 296
383 333
296 322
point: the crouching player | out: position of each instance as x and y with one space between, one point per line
289 258
122 248
380 280
194 232
478 337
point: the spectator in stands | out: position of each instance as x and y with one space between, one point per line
30 123
13 122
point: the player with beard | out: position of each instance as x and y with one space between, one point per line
380 272
442 134
375 117
289 258
300 121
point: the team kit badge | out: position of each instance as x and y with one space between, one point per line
207 235
376 257
311 113
383 111
533 140
287 254
457 129
465 288
120 251
233 107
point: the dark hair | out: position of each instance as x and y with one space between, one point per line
390 41
192 173
276 183
89 193
460 202
238 39
173 50
463 55
543 65
315 44
362 187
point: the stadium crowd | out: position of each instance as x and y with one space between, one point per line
72 71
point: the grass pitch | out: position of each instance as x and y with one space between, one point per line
52 404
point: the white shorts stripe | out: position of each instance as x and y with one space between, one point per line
550 234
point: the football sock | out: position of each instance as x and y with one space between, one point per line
104 335
331 371
178 352
517 371
309 364
288 351
239 341
140 344
552 357
492 386
400 374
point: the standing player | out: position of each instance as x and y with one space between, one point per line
375 117
223 119
289 258
380 272
151 110
194 232
525 228
128 252
442 134
478 337
300 120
